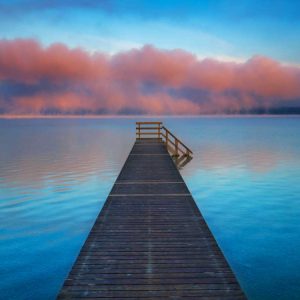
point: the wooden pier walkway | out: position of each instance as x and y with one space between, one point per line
150 240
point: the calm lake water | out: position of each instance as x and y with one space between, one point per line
55 175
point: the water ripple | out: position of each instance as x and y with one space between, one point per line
56 174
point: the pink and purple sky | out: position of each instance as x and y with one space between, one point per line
149 57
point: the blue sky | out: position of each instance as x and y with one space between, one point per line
155 78
227 30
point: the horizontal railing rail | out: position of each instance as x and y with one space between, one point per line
152 130
174 144
155 130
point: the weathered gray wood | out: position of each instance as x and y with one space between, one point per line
150 240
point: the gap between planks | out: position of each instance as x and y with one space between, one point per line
152 195
151 182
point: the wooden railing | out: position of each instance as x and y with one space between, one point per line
155 130
148 130
175 145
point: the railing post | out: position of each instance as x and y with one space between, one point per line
167 138
176 147
158 131
187 153
139 131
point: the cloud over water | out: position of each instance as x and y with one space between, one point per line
59 80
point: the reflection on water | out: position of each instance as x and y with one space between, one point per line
54 177
56 173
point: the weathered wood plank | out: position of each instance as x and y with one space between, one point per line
150 240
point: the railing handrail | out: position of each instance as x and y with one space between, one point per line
157 132
148 122
180 142
154 126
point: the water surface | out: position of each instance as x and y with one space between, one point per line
55 175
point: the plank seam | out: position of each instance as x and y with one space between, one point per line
151 182
142 195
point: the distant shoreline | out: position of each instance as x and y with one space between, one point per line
146 116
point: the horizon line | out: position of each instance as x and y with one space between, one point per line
144 116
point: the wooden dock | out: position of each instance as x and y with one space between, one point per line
150 240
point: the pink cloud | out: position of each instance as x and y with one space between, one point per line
57 79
